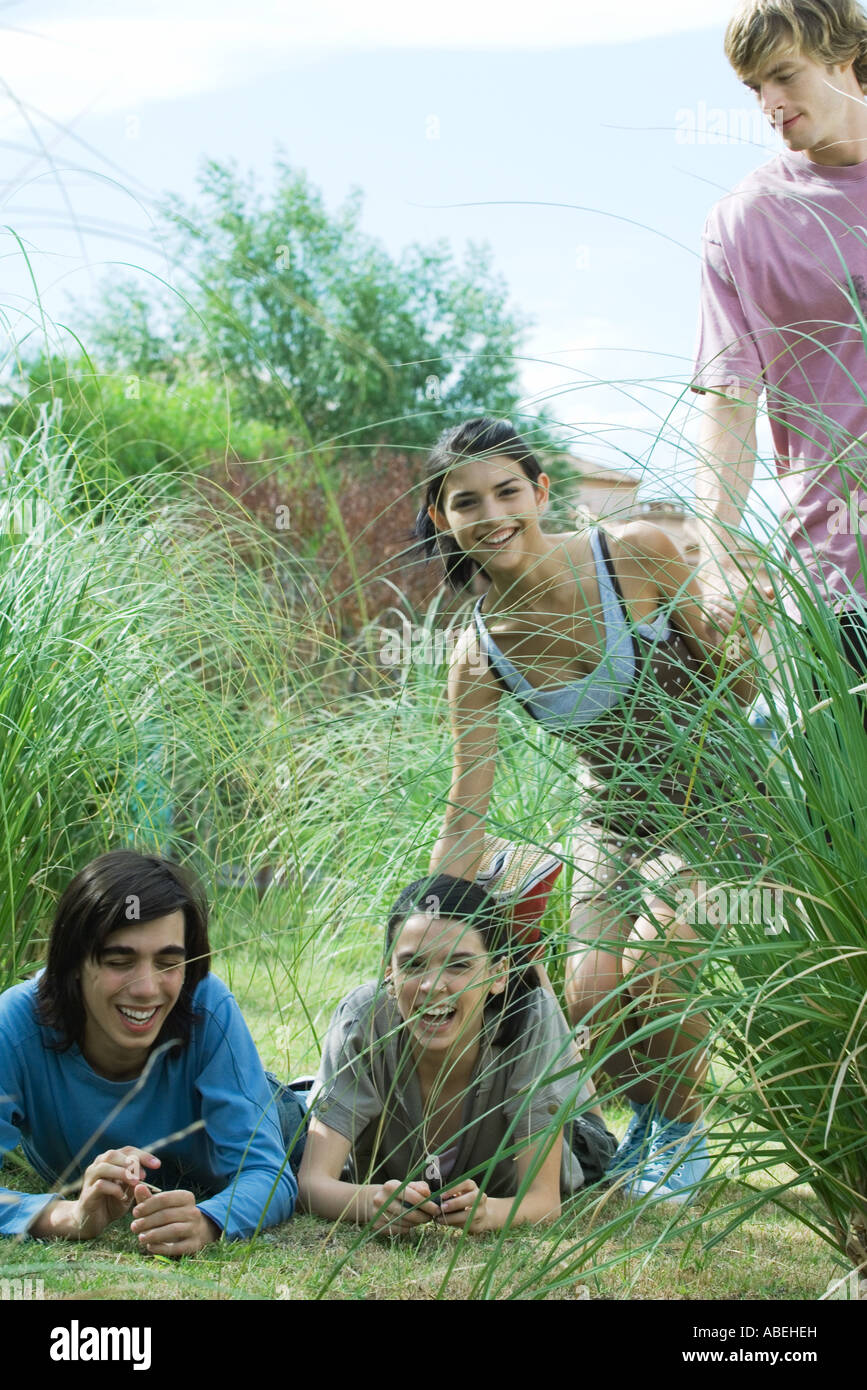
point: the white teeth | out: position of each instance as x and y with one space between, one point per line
438 1013
501 536
137 1015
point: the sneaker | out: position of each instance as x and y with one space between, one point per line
677 1163
634 1147
303 1087
302 1083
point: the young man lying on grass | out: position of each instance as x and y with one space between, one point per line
127 1061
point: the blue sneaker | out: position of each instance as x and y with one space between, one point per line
634 1147
677 1163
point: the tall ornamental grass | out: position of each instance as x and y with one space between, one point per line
794 1031
145 675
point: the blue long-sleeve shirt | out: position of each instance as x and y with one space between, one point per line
63 1114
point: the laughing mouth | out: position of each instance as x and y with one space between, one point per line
439 1013
501 537
138 1015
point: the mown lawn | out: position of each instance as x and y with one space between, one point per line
771 1257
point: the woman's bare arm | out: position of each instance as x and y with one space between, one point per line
393 1205
473 698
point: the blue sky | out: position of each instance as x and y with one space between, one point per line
584 142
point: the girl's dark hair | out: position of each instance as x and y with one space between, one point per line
120 889
444 896
472 439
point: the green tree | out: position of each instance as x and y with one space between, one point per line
315 328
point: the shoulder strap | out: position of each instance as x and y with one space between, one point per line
485 643
609 566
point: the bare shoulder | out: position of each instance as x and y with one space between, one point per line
576 547
635 540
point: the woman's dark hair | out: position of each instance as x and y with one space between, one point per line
444 896
117 890
472 439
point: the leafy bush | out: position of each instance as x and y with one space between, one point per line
119 425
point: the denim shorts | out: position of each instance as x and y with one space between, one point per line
292 1118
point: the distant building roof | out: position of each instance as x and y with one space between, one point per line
596 473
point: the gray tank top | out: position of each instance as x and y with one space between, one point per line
625 715
580 702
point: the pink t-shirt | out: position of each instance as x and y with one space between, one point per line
783 305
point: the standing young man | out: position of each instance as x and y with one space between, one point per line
784 302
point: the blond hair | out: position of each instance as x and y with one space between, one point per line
829 31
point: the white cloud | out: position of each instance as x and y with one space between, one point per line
125 56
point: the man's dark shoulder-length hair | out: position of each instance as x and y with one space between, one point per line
118 890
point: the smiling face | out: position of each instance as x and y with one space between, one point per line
128 992
443 977
492 509
814 108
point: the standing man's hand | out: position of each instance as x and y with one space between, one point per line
725 466
727 609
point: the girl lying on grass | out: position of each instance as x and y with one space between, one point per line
126 1060
447 1084
600 636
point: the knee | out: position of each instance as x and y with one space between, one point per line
640 958
645 948
579 993
591 976
657 954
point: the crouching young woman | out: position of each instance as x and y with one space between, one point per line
129 1077
445 1087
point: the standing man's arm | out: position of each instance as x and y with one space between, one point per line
730 378
726 462
725 465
